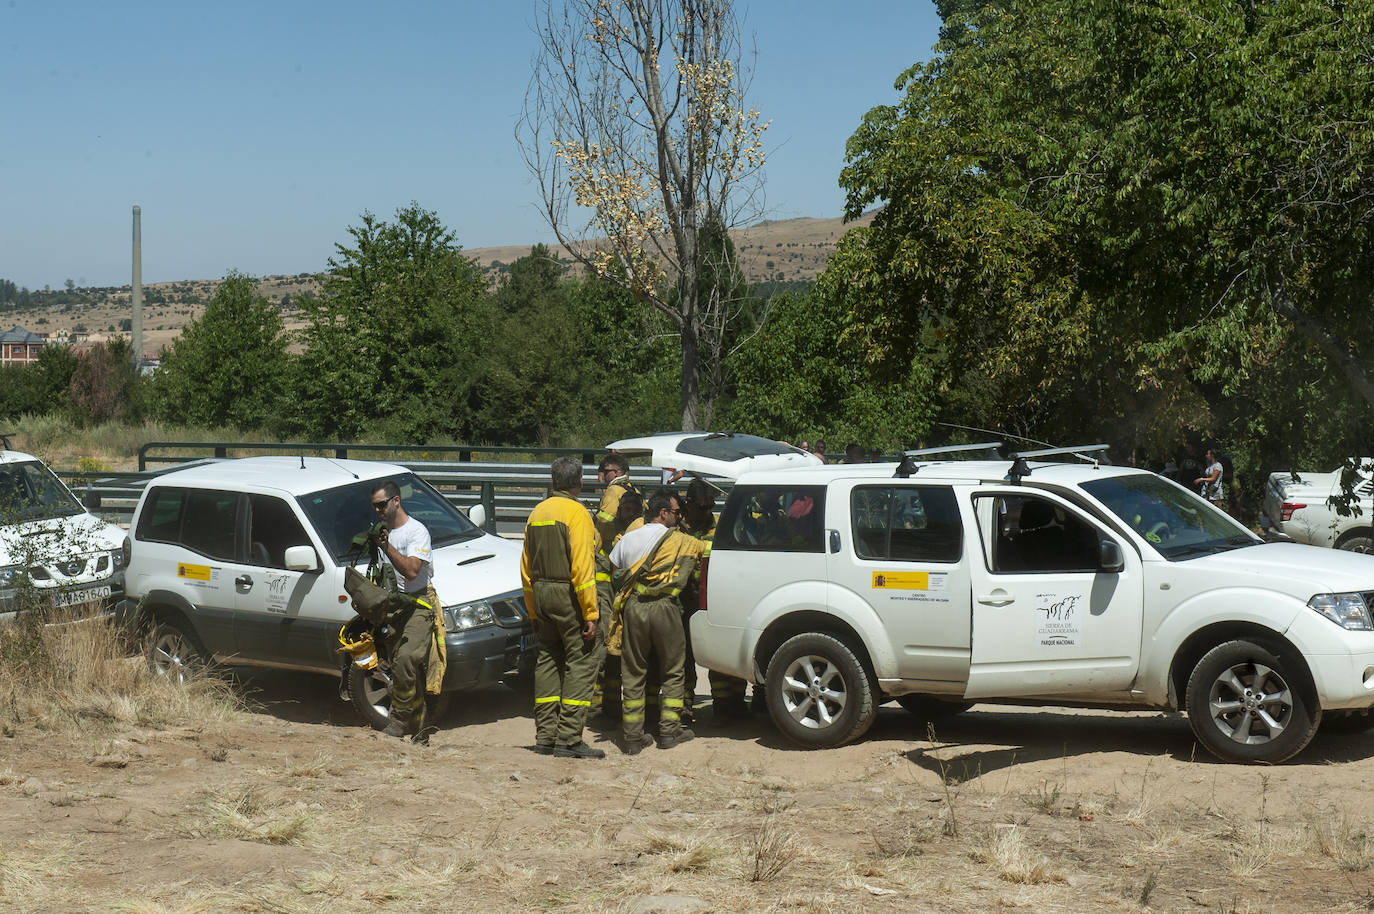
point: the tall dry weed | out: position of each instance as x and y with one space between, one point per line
70 670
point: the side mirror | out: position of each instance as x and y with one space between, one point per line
478 515
302 558
1109 558
91 500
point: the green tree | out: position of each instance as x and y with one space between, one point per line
228 366
801 376
1123 211
388 347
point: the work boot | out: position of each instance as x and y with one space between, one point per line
577 750
639 745
681 736
730 709
542 748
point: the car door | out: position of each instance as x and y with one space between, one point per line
283 616
1046 619
900 553
187 542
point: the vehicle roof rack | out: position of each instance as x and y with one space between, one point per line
1081 451
908 464
1020 468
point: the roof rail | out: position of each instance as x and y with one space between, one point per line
954 449
907 466
1081 451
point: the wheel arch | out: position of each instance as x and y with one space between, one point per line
1353 533
159 606
1204 639
802 622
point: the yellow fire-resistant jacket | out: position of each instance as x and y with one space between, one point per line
610 503
670 567
691 594
559 549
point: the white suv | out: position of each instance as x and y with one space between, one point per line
52 549
243 561
944 583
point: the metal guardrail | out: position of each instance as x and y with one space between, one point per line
509 491
147 454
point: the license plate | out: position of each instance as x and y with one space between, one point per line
76 597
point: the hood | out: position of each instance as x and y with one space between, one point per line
722 454
487 566
52 539
1307 570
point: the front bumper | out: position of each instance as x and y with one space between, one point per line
104 597
482 657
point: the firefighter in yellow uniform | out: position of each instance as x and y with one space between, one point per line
614 474
558 574
659 560
629 516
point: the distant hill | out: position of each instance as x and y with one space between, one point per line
786 251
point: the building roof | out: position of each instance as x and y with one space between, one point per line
18 334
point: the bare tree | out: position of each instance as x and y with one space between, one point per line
635 128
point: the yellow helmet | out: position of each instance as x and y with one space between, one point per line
356 639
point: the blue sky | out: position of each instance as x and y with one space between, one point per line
253 134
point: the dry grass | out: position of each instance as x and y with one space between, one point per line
249 814
76 673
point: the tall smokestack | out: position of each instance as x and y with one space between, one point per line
137 323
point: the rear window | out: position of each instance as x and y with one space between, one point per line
906 523
773 519
729 447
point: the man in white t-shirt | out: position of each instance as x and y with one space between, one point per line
417 645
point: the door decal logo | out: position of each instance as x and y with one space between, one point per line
1059 623
901 580
193 572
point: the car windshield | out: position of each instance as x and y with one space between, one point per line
30 491
1178 523
340 513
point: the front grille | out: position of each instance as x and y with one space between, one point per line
1368 596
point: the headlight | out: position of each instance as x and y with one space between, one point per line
8 573
468 616
1348 610
117 558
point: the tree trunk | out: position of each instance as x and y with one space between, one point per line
691 352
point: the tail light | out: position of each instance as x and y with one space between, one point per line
124 551
701 584
1287 508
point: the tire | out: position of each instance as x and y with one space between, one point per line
1246 702
818 692
175 652
928 706
1363 544
369 691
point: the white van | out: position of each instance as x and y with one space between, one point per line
940 583
52 549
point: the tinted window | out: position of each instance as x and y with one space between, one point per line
339 513
1180 524
730 447
773 519
1035 535
272 528
202 520
906 523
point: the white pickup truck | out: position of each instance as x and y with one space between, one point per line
1296 508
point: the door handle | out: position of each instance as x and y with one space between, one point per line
999 598
243 583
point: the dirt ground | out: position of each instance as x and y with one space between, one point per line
292 806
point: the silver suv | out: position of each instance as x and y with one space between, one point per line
242 561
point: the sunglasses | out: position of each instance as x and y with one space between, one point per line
380 505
